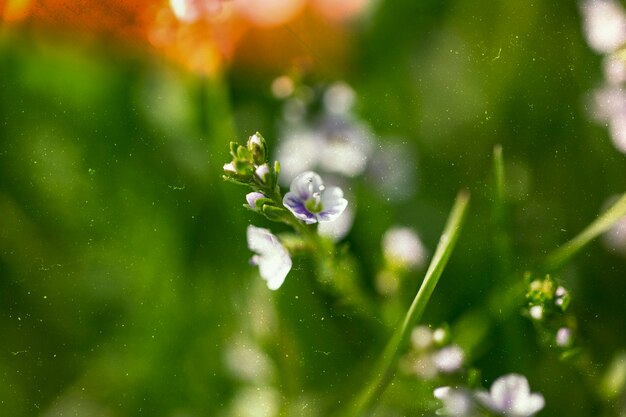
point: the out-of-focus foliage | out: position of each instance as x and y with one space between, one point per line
124 283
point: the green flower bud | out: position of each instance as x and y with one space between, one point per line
258 148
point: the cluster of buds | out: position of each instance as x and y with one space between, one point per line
249 165
547 306
432 355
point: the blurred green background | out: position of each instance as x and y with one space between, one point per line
124 283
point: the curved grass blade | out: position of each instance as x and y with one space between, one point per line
386 366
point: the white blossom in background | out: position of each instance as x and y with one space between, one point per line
614 70
457 402
536 312
604 24
340 227
563 337
449 359
421 337
609 102
403 247
190 11
339 99
609 107
510 396
614 239
347 148
298 151
334 141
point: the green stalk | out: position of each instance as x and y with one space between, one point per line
385 369
562 254
501 241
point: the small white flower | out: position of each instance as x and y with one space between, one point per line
564 337
403 247
456 402
604 24
310 201
449 359
536 312
510 396
271 257
422 337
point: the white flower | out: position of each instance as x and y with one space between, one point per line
604 24
563 337
456 402
403 247
536 312
309 200
271 257
510 396
449 359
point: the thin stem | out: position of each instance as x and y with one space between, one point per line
385 369
501 239
561 255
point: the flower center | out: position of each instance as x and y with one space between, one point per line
314 204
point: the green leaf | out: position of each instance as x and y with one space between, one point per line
386 366
561 255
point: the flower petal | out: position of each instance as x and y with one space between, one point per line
272 258
484 398
297 207
260 240
274 268
507 390
252 197
529 405
305 184
333 204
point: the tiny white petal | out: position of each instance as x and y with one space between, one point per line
456 402
271 257
449 359
262 171
402 246
255 139
536 312
510 396
229 167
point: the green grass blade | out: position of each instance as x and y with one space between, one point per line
562 254
385 369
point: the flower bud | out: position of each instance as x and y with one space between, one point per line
257 147
252 199
262 172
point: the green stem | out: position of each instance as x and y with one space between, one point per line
385 369
561 255
501 239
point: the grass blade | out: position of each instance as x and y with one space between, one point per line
562 254
385 369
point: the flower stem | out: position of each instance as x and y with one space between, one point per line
562 254
385 369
